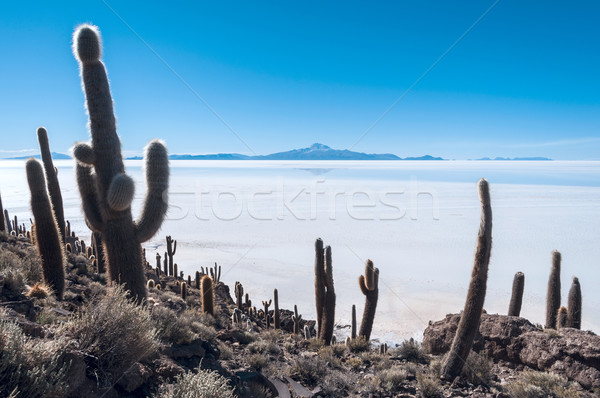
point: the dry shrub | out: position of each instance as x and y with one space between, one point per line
181 328
203 384
429 386
113 332
541 385
29 368
359 344
309 370
39 291
392 378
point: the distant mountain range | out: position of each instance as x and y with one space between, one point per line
531 158
55 156
314 152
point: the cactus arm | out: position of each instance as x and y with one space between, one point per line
52 180
120 192
86 183
362 285
84 154
157 179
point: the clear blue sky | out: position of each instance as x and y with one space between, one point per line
523 82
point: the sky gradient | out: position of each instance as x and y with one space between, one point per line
524 81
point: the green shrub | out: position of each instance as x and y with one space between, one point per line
412 351
541 385
181 328
29 368
113 332
392 378
204 384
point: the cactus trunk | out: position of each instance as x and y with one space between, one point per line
369 286
516 298
276 320
574 305
48 241
52 181
469 320
553 296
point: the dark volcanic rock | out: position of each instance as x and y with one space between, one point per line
570 352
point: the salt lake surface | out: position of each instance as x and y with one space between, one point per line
417 221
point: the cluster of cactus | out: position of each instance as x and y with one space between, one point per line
214 272
324 292
48 240
369 286
556 316
106 191
471 315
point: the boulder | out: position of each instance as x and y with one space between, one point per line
569 352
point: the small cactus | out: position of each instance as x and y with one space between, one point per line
198 277
48 241
7 221
207 292
166 265
353 323
216 273
553 296
471 315
247 301
296 318
175 273
69 248
561 318
276 320
171 249
267 304
369 286
99 250
307 335
183 290
158 261
239 294
516 298
574 305
151 284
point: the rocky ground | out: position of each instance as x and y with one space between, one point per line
94 343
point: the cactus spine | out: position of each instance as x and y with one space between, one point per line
353 324
574 305
48 241
516 298
369 286
324 292
296 318
276 320
52 180
553 296
108 192
469 320
207 292
239 295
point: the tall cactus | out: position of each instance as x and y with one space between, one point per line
471 315
48 241
324 292
553 296
516 298
369 286
171 249
574 305
239 295
2 223
52 181
276 319
353 323
108 192
207 293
